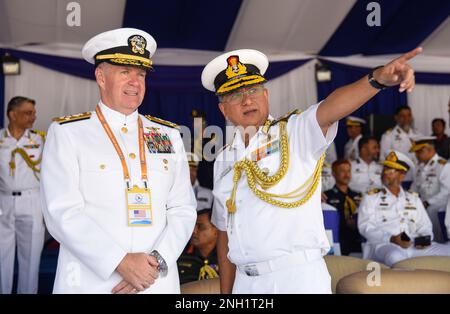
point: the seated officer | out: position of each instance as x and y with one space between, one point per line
366 171
199 260
394 221
431 179
354 130
346 202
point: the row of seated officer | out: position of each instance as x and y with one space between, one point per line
393 221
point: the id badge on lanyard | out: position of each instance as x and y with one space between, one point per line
139 207
138 200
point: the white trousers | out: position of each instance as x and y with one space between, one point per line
391 253
310 277
21 224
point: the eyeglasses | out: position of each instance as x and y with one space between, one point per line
238 97
389 170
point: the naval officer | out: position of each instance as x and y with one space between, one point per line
267 201
116 183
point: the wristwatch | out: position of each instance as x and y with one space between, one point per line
373 81
162 265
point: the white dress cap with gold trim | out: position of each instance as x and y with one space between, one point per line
249 68
122 46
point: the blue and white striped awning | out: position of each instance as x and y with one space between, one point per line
199 29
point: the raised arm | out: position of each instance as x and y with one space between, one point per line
349 98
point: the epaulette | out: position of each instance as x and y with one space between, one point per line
388 130
163 122
374 191
73 118
38 132
442 161
286 116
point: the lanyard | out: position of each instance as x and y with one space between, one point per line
126 173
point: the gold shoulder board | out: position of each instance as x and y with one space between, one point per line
373 191
163 122
442 161
38 132
73 118
286 116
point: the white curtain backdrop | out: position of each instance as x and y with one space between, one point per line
59 94
56 93
293 90
428 102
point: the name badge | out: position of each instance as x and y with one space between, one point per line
139 207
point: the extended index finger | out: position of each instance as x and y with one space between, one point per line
410 54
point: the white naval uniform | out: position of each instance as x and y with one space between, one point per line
262 232
351 151
203 196
382 215
398 139
447 219
365 177
426 178
21 222
432 182
85 208
328 180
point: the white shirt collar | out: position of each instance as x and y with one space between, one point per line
8 134
400 195
116 118
237 138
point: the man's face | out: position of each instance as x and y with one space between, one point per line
404 118
438 127
425 154
24 115
391 177
373 149
342 174
354 130
246 106
122 87
193 173
205 232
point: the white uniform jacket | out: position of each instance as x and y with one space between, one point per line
85 207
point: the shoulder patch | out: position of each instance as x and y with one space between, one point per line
73 118
374 191
38 132
286 116
163 122
442 161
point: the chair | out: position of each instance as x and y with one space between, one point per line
341 266
206 286
441 263
392 281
